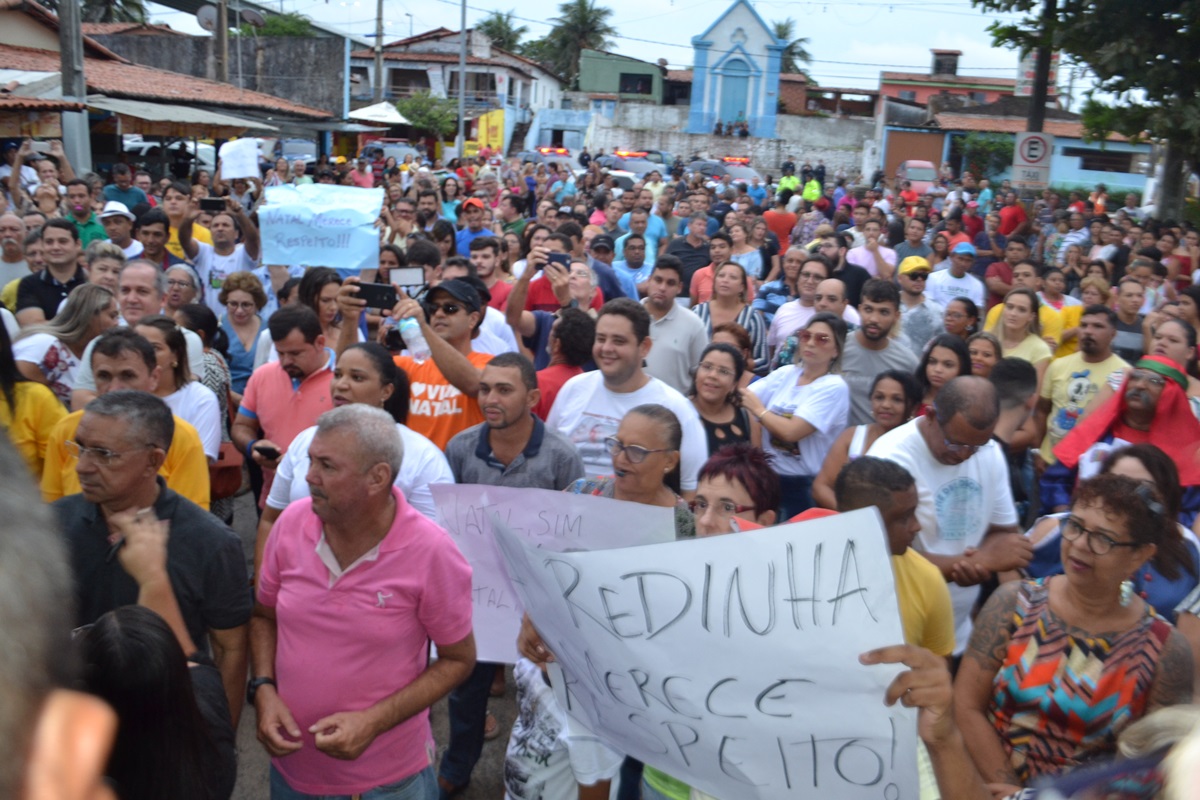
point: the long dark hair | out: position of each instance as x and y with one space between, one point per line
739 369
175 340
1172 551
10 376
132 661
950 342
389 375
200 319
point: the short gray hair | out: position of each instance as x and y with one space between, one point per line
375 429
160 277
148 416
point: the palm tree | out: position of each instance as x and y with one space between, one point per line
580 25
795 53
500 28
113 11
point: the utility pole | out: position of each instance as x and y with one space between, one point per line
221 32
378 51
460 143
77 136
1037 102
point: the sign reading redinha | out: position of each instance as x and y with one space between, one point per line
731 663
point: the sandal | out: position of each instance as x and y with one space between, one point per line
491 727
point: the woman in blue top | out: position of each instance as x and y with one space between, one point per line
1173 572
451 196
243 297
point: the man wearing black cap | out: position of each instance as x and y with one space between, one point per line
600 258
444 388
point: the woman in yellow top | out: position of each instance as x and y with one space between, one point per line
28 410
1019 331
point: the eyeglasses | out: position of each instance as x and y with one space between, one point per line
635 453
183 285
812 276
724 507
960 449
1148 377
916 276
955 315
1097 542
449 309
818 338
102 456
724 372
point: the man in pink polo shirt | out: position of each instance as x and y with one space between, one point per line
354 583
285 397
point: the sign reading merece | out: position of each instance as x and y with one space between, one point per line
731 662
321 225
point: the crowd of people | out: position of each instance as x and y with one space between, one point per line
1013 384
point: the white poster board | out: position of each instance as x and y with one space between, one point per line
731 663
544 519
321 225
239 159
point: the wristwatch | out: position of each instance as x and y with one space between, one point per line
252 687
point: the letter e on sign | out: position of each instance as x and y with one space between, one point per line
1033 150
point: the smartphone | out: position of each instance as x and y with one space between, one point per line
407 276
378 295
268 452
212 204
560 258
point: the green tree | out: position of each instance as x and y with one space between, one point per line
114 11
289 24
795 53
542 51
437 116
502 30
580 25
987 154
1146 59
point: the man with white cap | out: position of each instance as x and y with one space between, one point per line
118 221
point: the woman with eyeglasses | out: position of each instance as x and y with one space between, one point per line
803 408
961 317
1056 668
645 456
183 287
736 490
715 392
894 395
243 297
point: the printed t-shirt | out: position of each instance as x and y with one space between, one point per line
436 408
1070 384
955 504
587 413
824 404
185 468
349 638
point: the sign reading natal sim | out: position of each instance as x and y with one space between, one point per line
321 225
731 663
544 519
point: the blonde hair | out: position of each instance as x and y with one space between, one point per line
103 248
1100 285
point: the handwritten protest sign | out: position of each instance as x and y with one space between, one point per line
731 662
239 159
321 225
544 519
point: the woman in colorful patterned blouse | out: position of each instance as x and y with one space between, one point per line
1056 668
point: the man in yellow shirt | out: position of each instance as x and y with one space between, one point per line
177 202
124 360
921 591
1029 276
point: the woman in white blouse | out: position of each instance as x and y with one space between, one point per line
190 400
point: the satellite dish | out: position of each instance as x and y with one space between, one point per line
207 17
253 18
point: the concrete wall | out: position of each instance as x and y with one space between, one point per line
838 142
18 28
310 71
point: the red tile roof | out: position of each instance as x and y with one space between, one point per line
50 20
110 28
12 102
986 124
118 78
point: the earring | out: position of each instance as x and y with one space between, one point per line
1126 593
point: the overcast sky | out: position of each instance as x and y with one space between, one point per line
851 41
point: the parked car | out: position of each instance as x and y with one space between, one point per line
296 150
384 149
633 162
921 174
547 154
662 157
735 167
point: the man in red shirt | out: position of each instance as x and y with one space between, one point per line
1012 216
971 221
909 194
570 347
780 222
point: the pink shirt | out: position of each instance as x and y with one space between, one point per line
349 645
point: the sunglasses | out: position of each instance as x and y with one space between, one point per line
916 276
818 338
449 309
